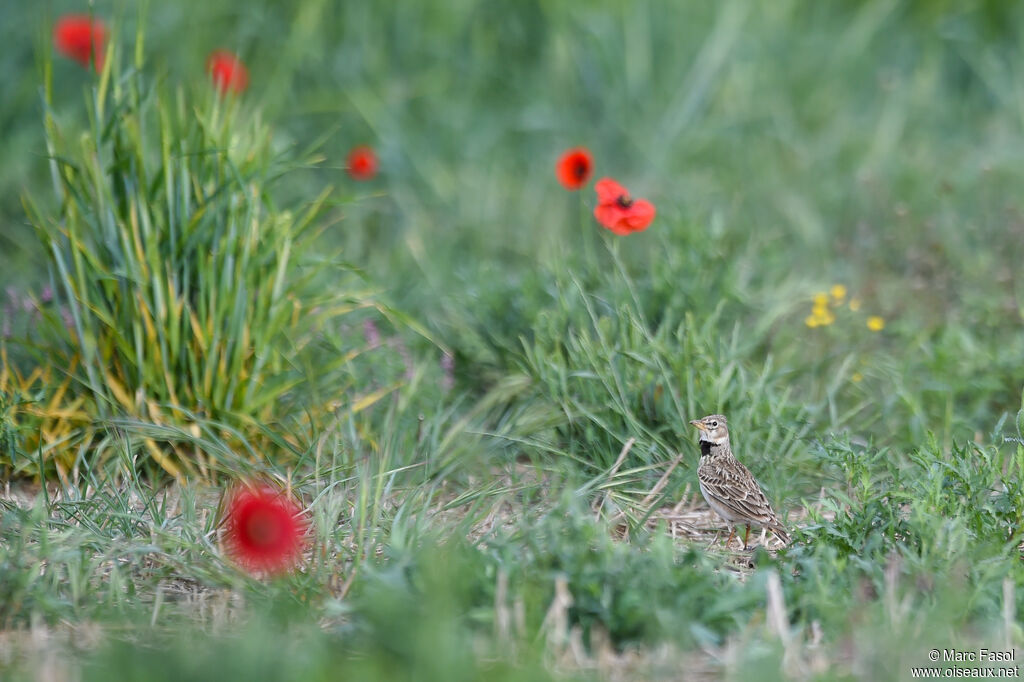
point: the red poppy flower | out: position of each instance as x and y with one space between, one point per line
265 530
618 212
362 163
81 38
574 168
227 71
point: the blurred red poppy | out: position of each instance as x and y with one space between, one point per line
81 38
227 71
265 530
618 212
362 163
574 168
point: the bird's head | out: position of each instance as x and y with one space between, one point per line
712 429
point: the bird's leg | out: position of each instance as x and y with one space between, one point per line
746 536
732 533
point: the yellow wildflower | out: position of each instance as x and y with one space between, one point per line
838 292
854 304
857 377
820 317
876 323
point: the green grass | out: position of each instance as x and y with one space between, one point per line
510 517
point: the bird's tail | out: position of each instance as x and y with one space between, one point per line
781 532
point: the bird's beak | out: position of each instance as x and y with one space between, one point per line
697 422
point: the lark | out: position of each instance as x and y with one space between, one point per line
728 486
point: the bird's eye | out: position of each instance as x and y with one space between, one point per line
714 425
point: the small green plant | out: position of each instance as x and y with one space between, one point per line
36 415
190 289
1020 419
646 590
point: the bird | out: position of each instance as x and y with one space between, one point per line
728 486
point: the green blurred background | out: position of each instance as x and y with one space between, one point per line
875 144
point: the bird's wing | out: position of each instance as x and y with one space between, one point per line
734 487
